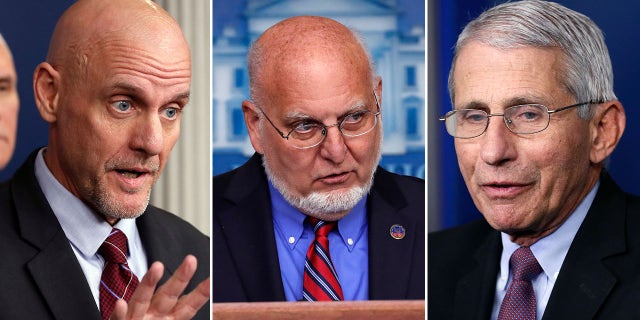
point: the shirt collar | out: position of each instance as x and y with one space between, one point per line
289 220
85 229
551 250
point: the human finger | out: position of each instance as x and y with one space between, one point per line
189 304
166 297
143 296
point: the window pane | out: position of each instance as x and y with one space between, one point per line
410 80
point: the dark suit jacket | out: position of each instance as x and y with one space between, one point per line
245 260
40 277
599 278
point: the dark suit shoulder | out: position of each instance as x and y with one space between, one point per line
450 247
400 190
460 236
171 228
239 185
406 183
462 269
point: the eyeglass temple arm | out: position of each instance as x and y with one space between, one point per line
274 126
571 106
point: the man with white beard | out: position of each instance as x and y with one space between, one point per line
315 122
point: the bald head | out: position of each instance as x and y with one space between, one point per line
88 25
298 46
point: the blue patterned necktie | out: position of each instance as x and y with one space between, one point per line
520 301
320 281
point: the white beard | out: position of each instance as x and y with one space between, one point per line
328 206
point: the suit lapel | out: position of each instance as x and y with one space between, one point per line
475 291
385 208
61 281
248 230
586 278
55 268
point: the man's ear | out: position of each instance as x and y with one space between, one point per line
252 120
46 84
607 126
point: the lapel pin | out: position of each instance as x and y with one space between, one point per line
397 231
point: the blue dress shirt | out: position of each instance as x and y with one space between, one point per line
348 246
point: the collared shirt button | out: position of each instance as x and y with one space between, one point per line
292 240
350 241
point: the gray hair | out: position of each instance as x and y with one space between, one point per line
588 75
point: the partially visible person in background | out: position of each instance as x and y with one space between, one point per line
9 104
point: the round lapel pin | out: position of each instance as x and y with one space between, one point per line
397 231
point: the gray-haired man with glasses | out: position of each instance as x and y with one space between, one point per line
534 119
315 122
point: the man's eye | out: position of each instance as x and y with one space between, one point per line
354 117
472 116
305 127
122 106
170 113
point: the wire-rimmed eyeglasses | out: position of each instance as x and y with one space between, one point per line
519 119
308 133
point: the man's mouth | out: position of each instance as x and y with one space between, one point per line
504 189
336 178
132 174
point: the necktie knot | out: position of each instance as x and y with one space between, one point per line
524 264
114 248
320 227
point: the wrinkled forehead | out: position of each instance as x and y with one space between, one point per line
92 28
152 50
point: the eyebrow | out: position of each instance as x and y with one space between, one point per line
297 115
139 92
508 103
7 79
475 105
524 100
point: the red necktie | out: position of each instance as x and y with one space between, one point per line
117 282
520 300
320 281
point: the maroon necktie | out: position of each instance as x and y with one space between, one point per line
320 281
520 300
117 282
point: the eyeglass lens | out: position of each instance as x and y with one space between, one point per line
522 119
310 133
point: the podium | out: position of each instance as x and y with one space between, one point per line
352 310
